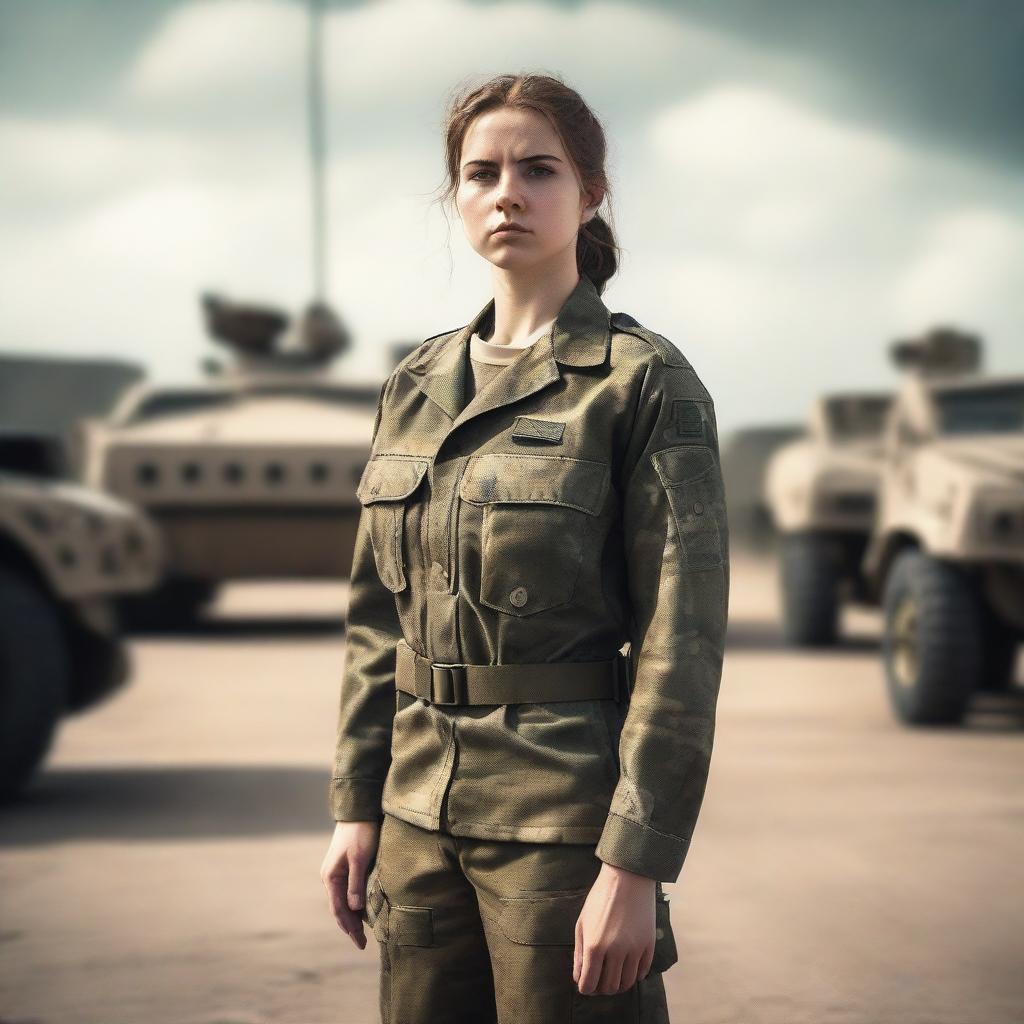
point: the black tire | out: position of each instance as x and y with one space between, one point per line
1000 656
35 677
932 646
811 571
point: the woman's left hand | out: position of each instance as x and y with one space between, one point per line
615 932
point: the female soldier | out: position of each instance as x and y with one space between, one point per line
510 790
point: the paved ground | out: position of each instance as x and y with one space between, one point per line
164 870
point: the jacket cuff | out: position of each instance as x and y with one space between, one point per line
639 848
356 799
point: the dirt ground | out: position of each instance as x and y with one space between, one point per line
164 869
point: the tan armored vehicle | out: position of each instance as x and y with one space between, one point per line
250 474
820 491
946 555
65 553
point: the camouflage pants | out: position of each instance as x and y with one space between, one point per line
477 931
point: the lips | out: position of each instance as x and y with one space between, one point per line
503 229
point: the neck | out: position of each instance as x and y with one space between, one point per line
522 302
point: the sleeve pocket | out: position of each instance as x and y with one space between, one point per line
692 480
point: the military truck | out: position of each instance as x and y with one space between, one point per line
946 554
820 491
65 553
249 473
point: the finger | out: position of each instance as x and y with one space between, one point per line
349 921
577 953
611 972
630 965
644 967
336 889
356 885
591 970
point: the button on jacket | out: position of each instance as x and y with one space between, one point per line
575 505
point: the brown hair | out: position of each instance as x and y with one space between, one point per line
580 132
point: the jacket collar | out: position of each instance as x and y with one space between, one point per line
580 336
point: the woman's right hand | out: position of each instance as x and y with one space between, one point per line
345 866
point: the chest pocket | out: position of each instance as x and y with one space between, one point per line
537 511
386 485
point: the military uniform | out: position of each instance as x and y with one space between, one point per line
507 551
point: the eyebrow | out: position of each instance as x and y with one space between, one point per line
525 160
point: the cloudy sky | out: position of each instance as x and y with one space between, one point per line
795 182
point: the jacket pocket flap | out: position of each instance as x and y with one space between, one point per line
577 483
683 463
389 479
542 920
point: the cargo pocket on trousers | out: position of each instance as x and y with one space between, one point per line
395 923
537 512
384 488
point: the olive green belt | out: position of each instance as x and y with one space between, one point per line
510 684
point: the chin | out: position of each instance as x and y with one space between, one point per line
510 260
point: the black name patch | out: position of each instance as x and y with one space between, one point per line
526 429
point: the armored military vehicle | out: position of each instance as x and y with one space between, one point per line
946 554
820 491
250 473
65 553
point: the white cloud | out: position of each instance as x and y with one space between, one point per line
783 172
752 137
215 47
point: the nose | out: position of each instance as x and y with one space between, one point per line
508 195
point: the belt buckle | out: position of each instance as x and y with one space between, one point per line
447 684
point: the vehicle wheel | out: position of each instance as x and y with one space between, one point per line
35 677
811 569
1000 656
932 646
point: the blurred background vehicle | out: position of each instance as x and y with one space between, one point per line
820 492
66 552
946 553
250 473
913 502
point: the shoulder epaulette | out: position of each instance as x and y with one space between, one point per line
442 334
667 352
423 348
670 355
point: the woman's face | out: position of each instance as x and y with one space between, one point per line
513 168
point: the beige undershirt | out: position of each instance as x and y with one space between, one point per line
486 358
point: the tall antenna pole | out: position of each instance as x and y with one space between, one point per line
316 151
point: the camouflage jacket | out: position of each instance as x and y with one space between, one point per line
575 505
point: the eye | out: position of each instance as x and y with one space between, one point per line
546 171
